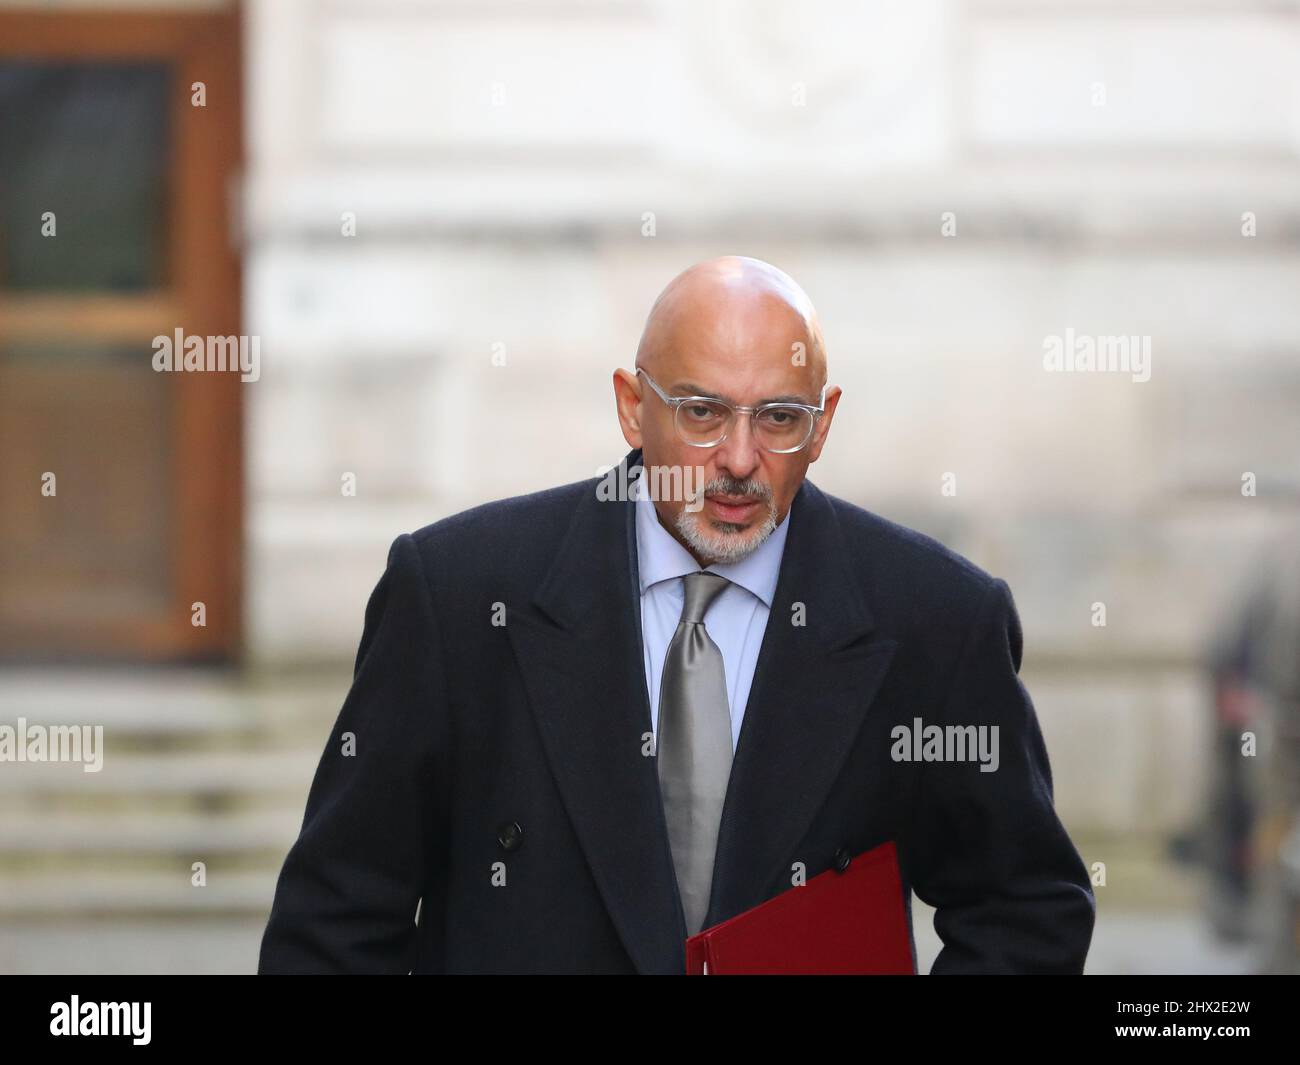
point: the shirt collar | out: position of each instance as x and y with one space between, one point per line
660 557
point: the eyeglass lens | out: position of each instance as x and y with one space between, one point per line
776 428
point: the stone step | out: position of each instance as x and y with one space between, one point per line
197 837
158 894
127 945
175 701
175 705
201 774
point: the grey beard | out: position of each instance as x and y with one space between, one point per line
697 531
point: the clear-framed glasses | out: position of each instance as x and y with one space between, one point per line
703 421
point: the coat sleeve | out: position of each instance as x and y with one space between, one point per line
988 852
345 900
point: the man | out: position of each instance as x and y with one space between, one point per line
586 722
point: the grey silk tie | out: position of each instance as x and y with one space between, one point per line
694 745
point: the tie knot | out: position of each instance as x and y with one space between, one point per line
701 589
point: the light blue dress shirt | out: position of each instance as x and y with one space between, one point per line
736 620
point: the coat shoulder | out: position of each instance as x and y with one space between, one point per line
503 530
500 548
908 563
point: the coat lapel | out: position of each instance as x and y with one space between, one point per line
580 653
812 687
582 665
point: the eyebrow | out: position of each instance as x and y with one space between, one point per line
690 388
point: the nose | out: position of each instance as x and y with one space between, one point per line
739 455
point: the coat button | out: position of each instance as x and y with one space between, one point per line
510 836
842 859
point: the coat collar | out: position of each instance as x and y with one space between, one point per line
579 650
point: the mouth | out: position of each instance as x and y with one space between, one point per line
737 509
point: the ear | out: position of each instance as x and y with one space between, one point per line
627 402
823 427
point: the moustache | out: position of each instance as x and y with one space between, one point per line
731 486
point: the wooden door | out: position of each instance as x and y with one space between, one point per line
120 486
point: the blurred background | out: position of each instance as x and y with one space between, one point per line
445 223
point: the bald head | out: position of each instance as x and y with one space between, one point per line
740 332
736 308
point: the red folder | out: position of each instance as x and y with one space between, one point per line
849 922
